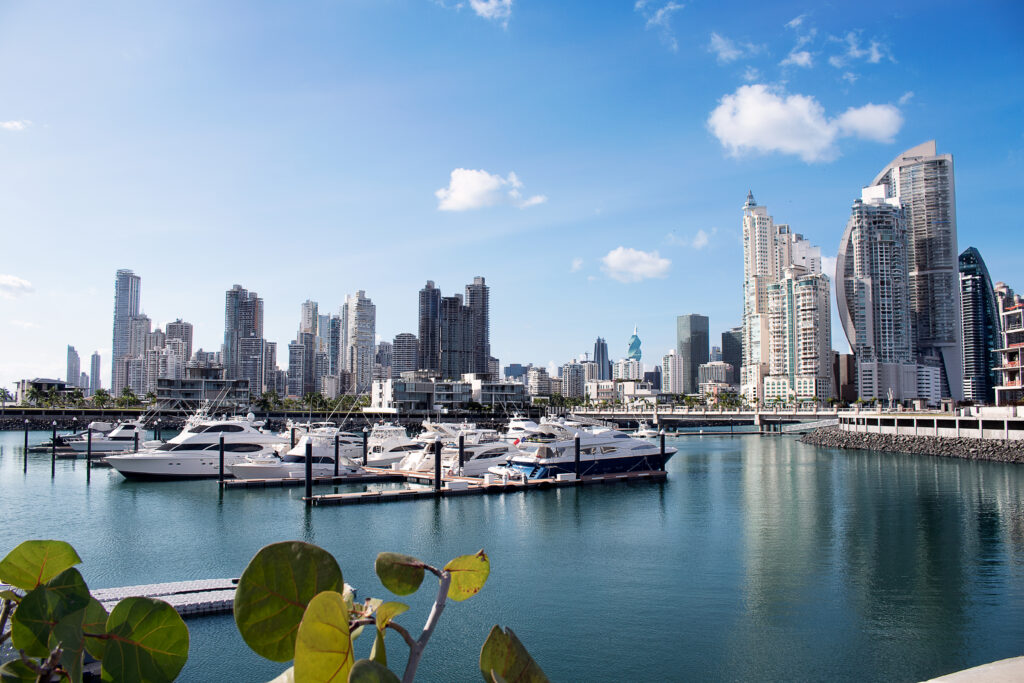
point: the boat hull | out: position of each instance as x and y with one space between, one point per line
163 467
549 468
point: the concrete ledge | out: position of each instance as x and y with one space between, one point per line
1003 671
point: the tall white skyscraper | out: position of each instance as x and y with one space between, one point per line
769 249
94 373
922 182
360 337
800 337
309 319
74 367
127 286
672 374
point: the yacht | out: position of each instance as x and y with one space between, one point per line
388 444
645 431
120 438
518 428
550 450
291 463
482 449
195 452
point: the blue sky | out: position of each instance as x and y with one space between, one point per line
590 159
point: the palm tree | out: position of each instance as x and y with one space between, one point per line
35 395
101 398
53 397
5 396
127 398
150 397
77 397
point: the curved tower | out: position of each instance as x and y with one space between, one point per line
982 329
634 346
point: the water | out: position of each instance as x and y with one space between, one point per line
759 559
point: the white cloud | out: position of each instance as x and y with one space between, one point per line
796 22
750 74
12 286
906 97
828 266
837 62
727 50
626 264
702 238
874 53
476 189
577 263
850 77
495 10
23 324
15 125
800 58
661 19
763 119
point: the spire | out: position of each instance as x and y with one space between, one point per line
750 199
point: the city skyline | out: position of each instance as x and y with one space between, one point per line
631 230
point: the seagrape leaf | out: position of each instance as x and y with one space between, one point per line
16 671
35 562
469 574
367 671
400 574
70 632
287 676
503 657
388 611
42 607
274 590
148 641
379 651
323 647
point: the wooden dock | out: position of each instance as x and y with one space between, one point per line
188 598
374 477
467 486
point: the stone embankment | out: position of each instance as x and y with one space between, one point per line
967 448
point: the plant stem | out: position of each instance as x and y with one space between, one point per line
416 652
405 634
5 612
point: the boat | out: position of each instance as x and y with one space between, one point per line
62 440
388 444
482 449
645 431
291 463
120 438
195 452
518 428
550 451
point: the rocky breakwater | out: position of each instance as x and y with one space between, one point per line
962 447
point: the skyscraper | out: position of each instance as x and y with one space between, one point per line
732 350
604 365
405 352
672 373
478 300
982 329
179 329
94 373
873 295
692 346
74 367
457 337
430 327
922 182
800 337
243 317
309 319
127 286
361 327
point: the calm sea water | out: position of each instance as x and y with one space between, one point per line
759 559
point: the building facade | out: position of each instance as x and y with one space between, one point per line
982 328
800 338
94 373
430 328
361 334
692 348
127 286
672 373
74 367
604 365
243 318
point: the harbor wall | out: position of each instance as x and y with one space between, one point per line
966 447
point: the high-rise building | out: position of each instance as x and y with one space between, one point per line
922 182
94 373
430 328
296 371
361 332
873 296
716 354
627 368
74 367
633 352
309 320
732 350
179 329
800 337
243 317
572 380
83 383
457 338
478 301
1008 390
604 364
252 357
334 344
982 332
404 353
692 348
127 286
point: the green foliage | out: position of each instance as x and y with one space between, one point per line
147 641
35 562
274 591
57 621
323 646
469 573
368 671
503 655
400 574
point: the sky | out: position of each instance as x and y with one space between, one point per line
590 159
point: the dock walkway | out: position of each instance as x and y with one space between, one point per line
188 598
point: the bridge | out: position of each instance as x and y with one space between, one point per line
679 417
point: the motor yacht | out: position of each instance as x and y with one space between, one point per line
388 444
518 428
291 463
195 452
120 438
477 458
645 431
550 450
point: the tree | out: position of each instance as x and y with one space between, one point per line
5 397
35 395
101 398
150 397
127 399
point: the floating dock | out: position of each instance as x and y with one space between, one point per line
467 486
374 477
188 598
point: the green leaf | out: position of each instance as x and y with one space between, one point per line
70 632
367 671
400 574
379 651
9 595
323 647
17 671
147 641
287 676
273 593
369 607
35 562
42 607
388 611
503 657
469 574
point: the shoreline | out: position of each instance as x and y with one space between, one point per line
965 448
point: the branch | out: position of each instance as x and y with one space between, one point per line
405 634
416 653
4 637
5 612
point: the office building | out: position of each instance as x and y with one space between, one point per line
430 328
94 373
517 372
404 353
478 301
243 318
921 181
732 351
127 286
604 364
296 369
456 338
633 352
692 341
982 330
74 367
653 378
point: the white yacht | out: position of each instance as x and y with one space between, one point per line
195 452
389 444
120 438
645 431
518 428
291 463
482 449
550 451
